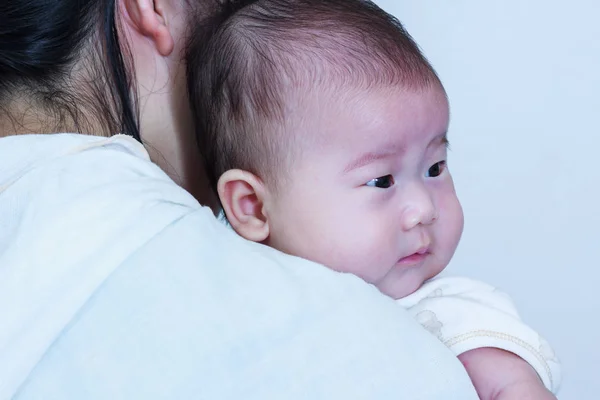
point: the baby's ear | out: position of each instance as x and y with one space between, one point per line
242 196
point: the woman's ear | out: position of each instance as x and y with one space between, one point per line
242 196
151 19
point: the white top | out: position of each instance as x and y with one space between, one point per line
465 314
116 284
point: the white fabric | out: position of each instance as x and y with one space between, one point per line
465 314
116 284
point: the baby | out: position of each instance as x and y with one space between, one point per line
324 133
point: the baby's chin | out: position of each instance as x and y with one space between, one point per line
408 281
402 289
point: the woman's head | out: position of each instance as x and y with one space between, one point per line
101 67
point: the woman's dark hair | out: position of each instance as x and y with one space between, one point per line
41 42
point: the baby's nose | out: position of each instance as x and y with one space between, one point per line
420 211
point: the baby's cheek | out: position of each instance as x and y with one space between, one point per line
451 223
376 252
349 249
459 219
326 240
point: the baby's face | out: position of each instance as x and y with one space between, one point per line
371 193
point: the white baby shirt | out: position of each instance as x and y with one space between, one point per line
465 314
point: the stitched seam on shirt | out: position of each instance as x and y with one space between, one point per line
485 333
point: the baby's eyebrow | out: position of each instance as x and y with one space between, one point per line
372 156
368 158
441 139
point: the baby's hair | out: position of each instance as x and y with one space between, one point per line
247 59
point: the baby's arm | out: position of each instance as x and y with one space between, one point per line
500 375
505 358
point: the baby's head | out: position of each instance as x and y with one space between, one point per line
324 134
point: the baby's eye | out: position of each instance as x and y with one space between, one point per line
383 182
436 169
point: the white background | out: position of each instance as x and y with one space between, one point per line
523 77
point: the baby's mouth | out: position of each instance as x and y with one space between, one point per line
413 259
416 258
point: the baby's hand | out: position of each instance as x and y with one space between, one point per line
500 375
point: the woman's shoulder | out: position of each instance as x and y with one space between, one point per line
81 190
22 154
33 166
199 312
73 208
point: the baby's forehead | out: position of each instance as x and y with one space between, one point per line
385 118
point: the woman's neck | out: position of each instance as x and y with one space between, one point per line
24 116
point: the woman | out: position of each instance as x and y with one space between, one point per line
115 282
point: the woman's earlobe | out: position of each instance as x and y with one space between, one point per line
150 18
241 194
